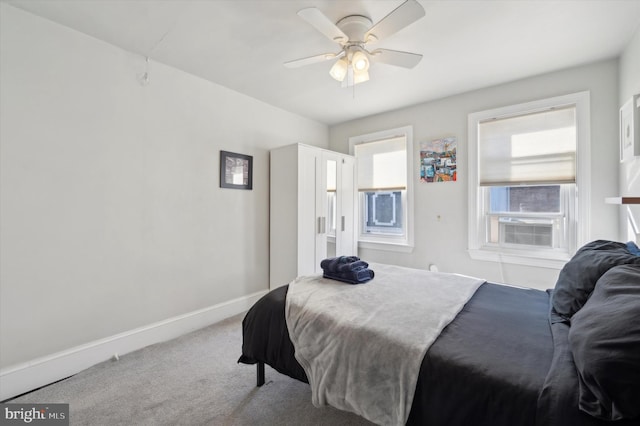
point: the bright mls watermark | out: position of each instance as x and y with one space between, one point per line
35 414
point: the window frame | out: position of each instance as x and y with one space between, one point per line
578 224
404 243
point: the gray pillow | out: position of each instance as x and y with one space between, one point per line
578 276
605 342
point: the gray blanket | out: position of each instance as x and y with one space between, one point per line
361 346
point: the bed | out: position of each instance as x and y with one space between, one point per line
513 356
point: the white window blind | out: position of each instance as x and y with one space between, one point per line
382 165
529 149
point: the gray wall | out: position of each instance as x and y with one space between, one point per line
630 170
112 217
444 241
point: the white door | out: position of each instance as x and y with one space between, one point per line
347 243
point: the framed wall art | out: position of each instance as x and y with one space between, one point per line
438 160
630 129
236 170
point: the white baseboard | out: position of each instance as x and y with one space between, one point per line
24 377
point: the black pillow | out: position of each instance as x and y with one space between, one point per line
605 341
578 276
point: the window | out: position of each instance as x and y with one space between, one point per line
527 162
382 212
384 186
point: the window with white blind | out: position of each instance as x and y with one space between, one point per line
527 162
385 197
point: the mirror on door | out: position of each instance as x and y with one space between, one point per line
332 177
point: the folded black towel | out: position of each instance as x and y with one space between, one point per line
343 264
353 266
349 269
351 277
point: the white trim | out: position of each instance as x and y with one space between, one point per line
583 172
400 248
583 162
24 377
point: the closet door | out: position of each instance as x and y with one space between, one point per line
307 179
293 213
346 238
328 205
337 205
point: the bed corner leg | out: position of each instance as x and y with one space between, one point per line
260 373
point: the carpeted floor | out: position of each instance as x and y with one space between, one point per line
191 380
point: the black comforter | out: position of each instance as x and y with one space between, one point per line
488 367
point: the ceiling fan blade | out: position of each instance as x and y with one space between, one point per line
395 57
312 59
323 24
404 15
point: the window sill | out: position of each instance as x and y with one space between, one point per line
396 247
546 260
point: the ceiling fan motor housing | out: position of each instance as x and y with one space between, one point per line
355 27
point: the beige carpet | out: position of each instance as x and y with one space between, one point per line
192 380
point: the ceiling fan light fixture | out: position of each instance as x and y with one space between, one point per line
352 33
339 69
360 76
360 62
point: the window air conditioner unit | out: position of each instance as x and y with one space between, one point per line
538 233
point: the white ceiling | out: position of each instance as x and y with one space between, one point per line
242 44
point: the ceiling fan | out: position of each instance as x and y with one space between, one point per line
354 33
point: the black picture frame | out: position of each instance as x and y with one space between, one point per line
236 170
